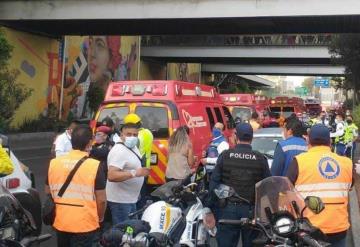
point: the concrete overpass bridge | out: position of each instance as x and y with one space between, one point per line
291 54
140 17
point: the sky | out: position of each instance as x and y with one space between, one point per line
296 79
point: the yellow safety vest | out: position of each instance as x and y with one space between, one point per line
328 176
6 166
145 144
76 210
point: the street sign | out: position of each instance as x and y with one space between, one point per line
321 82
301 91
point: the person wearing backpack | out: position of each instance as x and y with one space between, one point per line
217 146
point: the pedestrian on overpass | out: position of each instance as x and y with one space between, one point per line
320 172
339 135
287 149
80 209
240 168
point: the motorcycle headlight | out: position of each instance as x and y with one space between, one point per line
284 225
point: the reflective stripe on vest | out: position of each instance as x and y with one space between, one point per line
294 147
328 176
76 210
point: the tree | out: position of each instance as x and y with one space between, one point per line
309 84
345 50
12 93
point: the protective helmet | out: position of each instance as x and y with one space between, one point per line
132 118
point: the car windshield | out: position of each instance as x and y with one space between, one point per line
265 145
117 114
155 119
277 194
244 113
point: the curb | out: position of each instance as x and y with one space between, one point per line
30 136
354 217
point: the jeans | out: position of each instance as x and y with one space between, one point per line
340 149
120 211
228 236
67 239
338 243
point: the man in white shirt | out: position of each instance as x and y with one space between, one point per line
125 174
339 135
217 146
62 144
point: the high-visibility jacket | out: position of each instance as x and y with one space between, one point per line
6 166
145 144
328 176
76 210
351 132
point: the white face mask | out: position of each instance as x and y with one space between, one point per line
131 141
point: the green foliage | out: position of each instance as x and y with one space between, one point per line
95 96
5 50
12 94
356 115
345 50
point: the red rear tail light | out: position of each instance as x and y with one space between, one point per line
12 183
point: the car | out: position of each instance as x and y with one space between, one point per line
265 141
21 183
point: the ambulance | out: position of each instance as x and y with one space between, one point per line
285 106
164 106
241 105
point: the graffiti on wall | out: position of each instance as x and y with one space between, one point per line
92 62
184 71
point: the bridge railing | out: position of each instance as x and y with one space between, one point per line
238 40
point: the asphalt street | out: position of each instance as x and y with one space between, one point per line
37 159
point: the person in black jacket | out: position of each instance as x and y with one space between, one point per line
102 146
240 168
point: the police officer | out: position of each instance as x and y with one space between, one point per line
339 135
351 134
240 168
320 172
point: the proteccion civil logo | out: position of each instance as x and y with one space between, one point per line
329 168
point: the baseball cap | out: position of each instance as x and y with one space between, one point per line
244 132
319 135
104 129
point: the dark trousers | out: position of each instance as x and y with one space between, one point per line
67 239
228 236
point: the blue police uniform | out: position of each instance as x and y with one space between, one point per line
240 168
285 151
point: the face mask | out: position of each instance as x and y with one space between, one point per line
337 121
216 132
99 139
131 141
349 121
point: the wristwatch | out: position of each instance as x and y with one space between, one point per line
133 173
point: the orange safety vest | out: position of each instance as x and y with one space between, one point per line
76 210
329 176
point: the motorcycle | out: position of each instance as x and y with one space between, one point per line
17 225
278 217
178 219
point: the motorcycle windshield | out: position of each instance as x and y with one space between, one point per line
276 194
166 190
7 199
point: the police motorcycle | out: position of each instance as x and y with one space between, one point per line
17 225
178 219
279 214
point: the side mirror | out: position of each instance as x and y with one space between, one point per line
315 204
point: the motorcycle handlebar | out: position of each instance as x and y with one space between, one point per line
137 212
241 222
309 240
